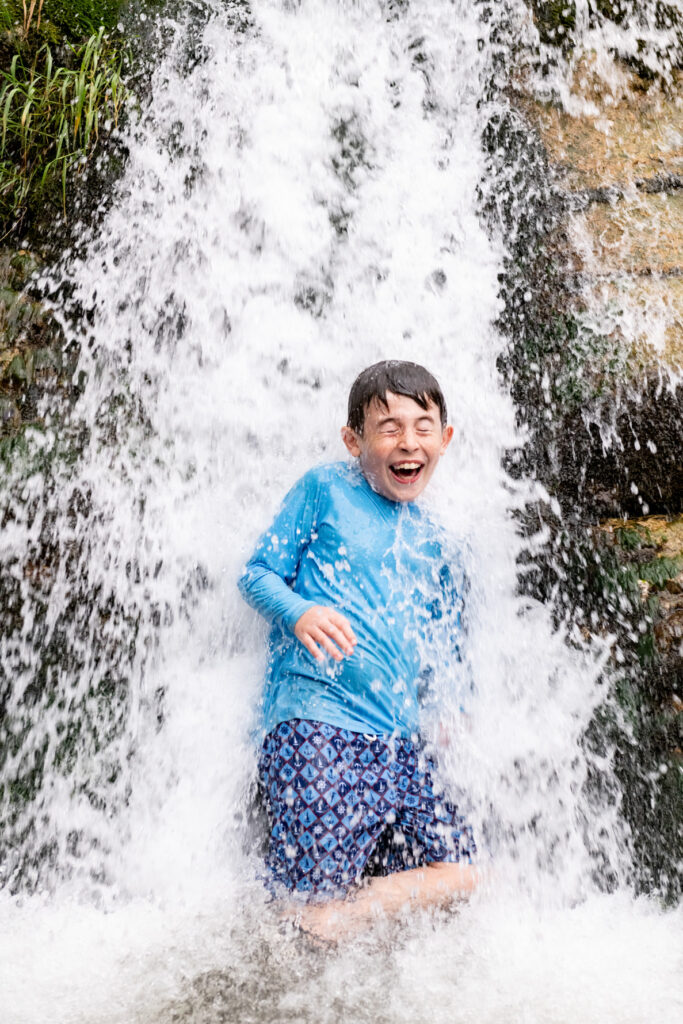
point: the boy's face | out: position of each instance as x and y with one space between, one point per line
400 446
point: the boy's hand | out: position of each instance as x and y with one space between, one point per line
327 628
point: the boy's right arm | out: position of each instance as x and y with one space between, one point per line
269 573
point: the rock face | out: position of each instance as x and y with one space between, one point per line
587 191
651 548
620 134
36 371
620 162
614 153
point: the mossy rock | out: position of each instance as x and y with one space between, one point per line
661 533
651 551
556 22
22 319
35 374
17 267
10 417
47 361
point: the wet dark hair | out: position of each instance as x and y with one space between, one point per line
400 378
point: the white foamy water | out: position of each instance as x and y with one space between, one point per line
298 204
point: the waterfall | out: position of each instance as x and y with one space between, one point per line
301 198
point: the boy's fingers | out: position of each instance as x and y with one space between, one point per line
324 641
311 647
339 638
326 628
344 625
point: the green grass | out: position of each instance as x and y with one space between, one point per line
70 20
51 117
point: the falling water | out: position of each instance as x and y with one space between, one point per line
300 200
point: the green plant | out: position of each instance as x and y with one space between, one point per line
68 19
632 538
51 117
83 17
29 11
659 570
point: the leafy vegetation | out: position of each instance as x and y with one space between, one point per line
55 20
61 91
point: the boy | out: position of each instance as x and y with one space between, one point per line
351 576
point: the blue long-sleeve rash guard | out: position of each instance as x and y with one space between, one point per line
336 542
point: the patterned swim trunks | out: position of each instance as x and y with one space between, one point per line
342 804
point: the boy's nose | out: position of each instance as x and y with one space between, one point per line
408 439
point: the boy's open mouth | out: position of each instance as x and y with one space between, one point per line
406 472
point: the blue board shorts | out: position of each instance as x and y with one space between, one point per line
342 804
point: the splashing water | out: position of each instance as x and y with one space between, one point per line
299 201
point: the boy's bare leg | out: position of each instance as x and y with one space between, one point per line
433 885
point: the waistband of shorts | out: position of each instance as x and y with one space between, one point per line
349 734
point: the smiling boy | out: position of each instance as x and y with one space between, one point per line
352 578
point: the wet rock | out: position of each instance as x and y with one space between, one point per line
644 316
10 417
639 235
611 438
675 585
586 191
17 266
624 137
20 368
47 363
35 377
616 153
21 318
639 469
654 56
652 548
669 632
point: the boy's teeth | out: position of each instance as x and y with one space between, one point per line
406 471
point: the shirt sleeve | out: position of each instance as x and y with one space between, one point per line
269 575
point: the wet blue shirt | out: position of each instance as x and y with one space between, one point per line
336 542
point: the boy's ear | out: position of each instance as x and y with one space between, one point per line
351 441
446 438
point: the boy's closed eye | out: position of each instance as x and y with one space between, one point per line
388 427
423 426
